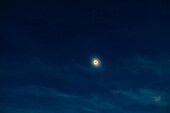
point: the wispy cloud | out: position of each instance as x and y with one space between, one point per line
158 66
64 102
70 102
145 96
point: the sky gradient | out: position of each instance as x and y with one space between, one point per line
47 48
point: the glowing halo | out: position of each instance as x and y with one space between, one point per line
96 62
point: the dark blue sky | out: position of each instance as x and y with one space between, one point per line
47 46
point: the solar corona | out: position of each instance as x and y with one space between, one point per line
95 62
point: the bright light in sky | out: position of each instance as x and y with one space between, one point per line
96 62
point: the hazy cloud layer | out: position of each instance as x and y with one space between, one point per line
70 90
146 96
40 96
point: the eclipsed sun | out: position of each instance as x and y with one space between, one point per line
96 62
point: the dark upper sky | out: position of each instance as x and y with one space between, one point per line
47 47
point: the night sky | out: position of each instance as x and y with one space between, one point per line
47 48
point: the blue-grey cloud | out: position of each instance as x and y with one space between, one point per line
158 66
67 90
39 96
146 96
